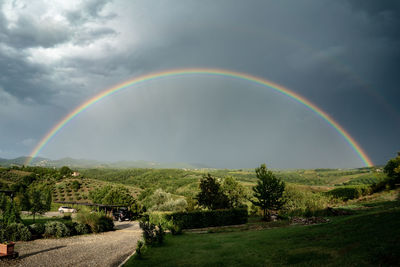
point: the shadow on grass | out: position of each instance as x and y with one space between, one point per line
40 251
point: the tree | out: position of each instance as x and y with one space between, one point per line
65 171
112 196
211 195
235 192
119 195
392 168
163 201
98 194
40 200
268 191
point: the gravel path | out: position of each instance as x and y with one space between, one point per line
105 249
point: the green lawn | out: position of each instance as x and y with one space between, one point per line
371 237
28 219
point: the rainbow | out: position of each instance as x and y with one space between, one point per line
214 72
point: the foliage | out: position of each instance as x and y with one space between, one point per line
152 234
349 192
110 195
369 238
139 249
11 213
71 226
268 191
163 201
235 192
303 203
97 221
65 171
82 229
392 168
37 229
40 199
76 185
211 195
22 200
56 229
16 232
201 219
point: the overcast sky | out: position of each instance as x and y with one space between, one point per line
343 56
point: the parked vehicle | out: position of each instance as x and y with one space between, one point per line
122 214
66 209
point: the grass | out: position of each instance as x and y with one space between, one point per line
368 238
28 219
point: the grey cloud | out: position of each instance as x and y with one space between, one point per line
89 11
28 33
342 55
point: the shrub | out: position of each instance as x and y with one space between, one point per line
303 203
152 234
139 249
160 233
56 229
71 227
149 234
175 228
17 232
82 229
105 223
349 192
201 219
97 222
37 229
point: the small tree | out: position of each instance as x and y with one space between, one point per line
235 192
268 191
40 199
65 171
392 169
211 195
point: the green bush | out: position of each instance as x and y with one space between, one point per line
17 232
105 223
56 229
71 227
201 219
37 229
98 222
349 192
82 229
175 228
139 249
303 203
152 234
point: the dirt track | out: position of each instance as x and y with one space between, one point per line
105 249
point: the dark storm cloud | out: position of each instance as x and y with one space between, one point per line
26 79
89 10
342 55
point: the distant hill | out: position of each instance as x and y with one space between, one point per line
85 163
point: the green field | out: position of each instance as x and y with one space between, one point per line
370 237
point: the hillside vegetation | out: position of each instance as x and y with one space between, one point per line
369 237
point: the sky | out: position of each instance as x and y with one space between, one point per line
341 55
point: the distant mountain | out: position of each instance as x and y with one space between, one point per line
85 163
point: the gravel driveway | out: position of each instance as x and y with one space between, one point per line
105 249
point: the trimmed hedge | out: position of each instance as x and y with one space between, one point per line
349 192
209 218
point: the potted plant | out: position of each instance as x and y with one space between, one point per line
7 248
